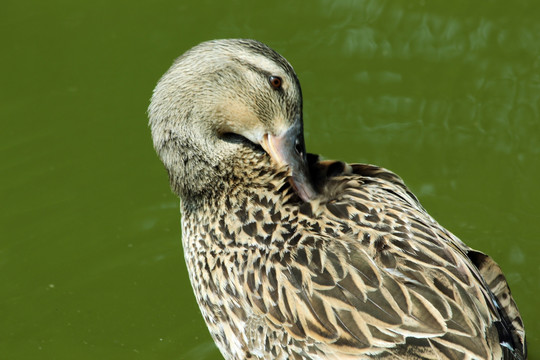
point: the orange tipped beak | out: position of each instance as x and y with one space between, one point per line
288 149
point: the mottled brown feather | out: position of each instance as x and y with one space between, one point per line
335 292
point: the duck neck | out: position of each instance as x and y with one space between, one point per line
208 181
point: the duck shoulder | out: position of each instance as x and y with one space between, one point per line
370 273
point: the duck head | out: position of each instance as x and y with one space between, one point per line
219 96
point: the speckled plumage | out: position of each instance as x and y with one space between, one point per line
358 271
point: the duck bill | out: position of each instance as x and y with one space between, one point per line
288 149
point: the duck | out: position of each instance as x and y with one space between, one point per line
294 257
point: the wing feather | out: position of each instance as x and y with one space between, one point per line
374 271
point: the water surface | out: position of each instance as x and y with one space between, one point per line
446 94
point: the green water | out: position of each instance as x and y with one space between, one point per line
445 93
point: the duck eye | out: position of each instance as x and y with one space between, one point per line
275 81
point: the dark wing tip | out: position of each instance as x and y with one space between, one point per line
513 343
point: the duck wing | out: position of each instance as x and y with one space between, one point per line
370 273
